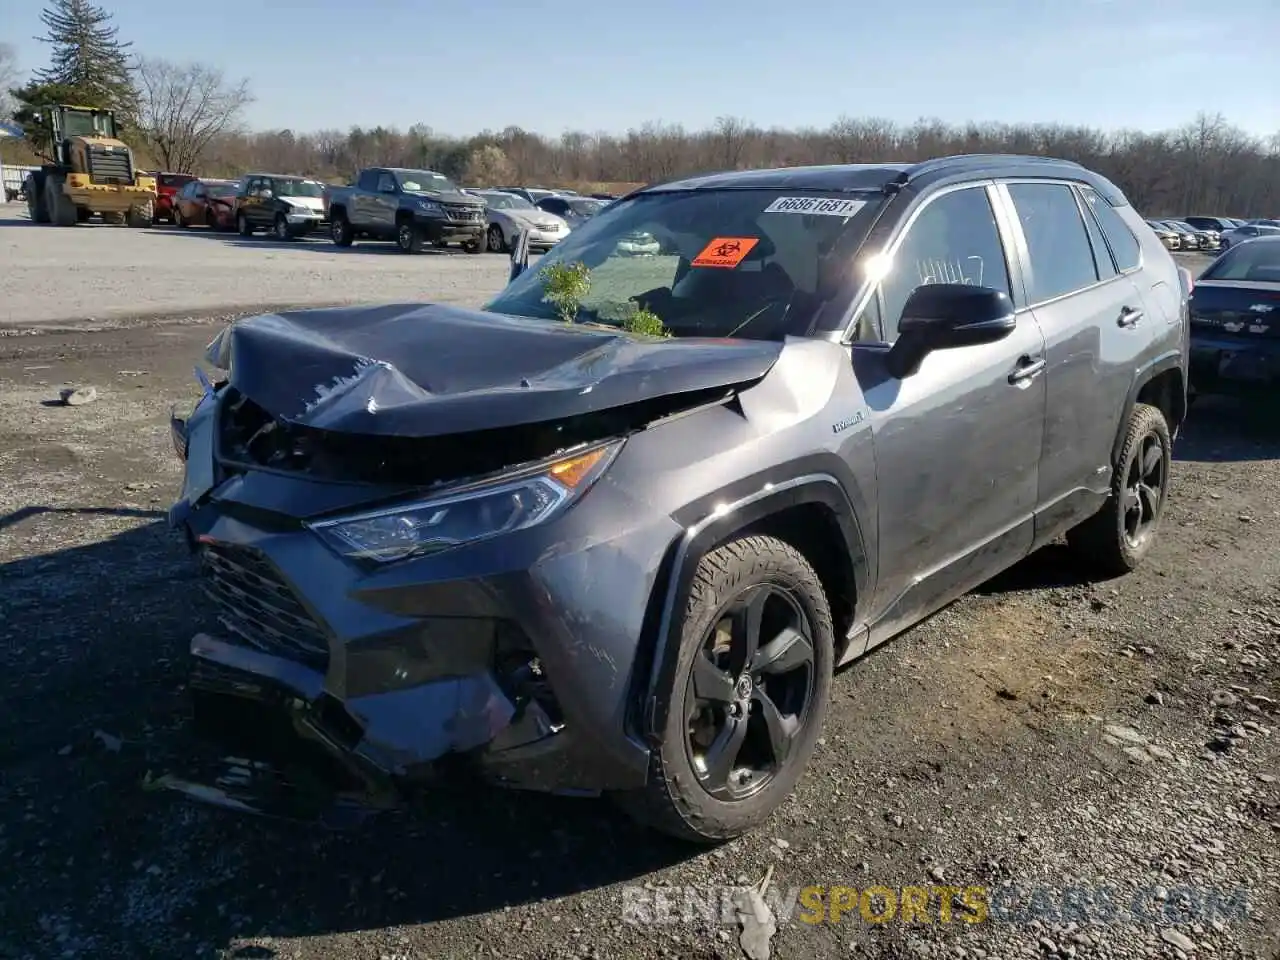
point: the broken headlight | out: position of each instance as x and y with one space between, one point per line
502 505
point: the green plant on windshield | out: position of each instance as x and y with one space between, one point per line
647 322
566 285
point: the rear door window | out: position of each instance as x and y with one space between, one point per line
1124 245
1061 259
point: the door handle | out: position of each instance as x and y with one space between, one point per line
1027 369
1129 317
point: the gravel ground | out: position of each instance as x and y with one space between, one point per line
1041 736
97 275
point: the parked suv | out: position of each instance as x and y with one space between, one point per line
288 207
580 559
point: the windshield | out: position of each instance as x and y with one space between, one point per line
586 208
759 264
506 201
221 189
301 188
424 181
1258 261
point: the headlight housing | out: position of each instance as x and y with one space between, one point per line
469 514
430 206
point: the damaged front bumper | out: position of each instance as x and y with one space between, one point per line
334 687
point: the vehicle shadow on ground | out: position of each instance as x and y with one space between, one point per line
317 243
94 642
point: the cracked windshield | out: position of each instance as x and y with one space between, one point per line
756 264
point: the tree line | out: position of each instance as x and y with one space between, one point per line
187 118
1207 166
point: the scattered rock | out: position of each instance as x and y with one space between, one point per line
77 396
1159 752
1156 698
1179 940
1137 754
1223 698
1116 734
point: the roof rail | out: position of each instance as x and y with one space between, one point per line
964 161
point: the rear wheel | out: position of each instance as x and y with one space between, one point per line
1115 540
748 695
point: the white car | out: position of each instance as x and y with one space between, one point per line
639 244
510 215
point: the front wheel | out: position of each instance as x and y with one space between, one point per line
140 215
280 228
178 220
340 231
408 237
242 225
748 695
497 242
1115 540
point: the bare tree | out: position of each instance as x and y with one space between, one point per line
183 108
8 79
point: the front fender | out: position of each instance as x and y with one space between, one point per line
821 480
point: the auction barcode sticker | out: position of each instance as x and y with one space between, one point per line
821 206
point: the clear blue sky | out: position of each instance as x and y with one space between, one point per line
609 65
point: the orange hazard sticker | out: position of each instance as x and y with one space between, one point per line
725 252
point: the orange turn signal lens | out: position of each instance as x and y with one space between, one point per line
573 471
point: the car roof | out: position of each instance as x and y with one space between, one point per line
860 177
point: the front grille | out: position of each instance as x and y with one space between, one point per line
109 166
257 606
463 213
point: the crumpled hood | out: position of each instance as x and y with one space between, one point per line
420 370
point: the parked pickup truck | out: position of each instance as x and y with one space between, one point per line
411 207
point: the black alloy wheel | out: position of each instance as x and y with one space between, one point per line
752 685
1144 490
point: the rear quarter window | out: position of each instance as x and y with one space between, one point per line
1124 245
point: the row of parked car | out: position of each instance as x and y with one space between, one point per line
1210 233
414 208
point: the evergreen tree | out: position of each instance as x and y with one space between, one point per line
88 56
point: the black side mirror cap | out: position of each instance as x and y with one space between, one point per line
941 316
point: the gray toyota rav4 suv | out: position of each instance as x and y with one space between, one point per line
529 543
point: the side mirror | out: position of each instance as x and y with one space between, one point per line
519 255
940 316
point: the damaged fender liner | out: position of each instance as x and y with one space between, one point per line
415 370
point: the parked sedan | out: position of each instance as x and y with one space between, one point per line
1235 320
1171 238
209 203
1208 239
1190 240
574 210
510 215
1247 232
1216 224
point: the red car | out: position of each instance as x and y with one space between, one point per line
168 184
208 203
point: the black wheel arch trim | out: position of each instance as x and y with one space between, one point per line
710 521
1165 362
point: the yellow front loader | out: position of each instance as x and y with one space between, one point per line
93 172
